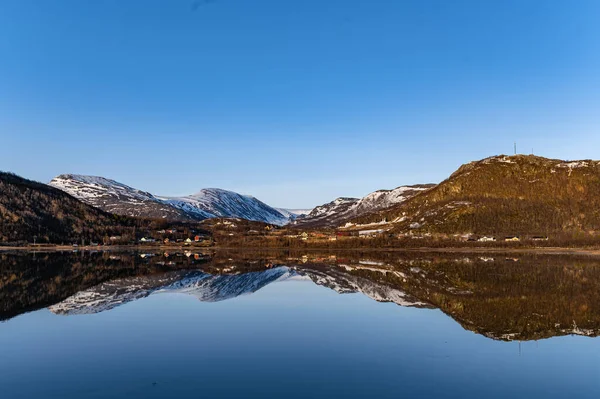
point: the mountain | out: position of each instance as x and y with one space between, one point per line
30 209
512 195
343 209
293 214
215 202
114 197
332 213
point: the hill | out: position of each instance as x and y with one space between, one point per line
512 195
29 209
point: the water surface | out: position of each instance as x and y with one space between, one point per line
230 325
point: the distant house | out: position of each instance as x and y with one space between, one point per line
197 238
115 238
188 240
166 240
486 239
539 238
370 233
269 227
161 231
512 239
147 239
304 236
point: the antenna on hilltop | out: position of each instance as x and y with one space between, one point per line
515 148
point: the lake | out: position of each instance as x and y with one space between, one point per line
252 324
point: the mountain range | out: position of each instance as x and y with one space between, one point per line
500 196
114 197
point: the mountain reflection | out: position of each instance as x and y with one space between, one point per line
507 298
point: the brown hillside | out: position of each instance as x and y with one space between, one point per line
30 209
505 195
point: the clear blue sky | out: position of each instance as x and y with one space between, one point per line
294 102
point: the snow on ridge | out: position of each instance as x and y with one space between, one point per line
382 199
92 187
332 207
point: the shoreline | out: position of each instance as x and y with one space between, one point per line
465 250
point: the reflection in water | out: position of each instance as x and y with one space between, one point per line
33 281
506 298
206 287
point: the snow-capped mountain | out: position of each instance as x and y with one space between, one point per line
115 197
343 209
215 202
330 214
206 287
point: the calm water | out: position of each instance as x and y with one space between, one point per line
298 326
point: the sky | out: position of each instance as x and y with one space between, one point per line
294 102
